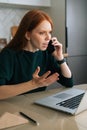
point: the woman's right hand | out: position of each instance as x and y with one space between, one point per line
45 79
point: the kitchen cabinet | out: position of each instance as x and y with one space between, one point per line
26 3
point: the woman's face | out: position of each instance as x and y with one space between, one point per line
40 36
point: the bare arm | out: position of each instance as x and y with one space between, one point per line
7 91
58 54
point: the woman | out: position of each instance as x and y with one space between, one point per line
26 63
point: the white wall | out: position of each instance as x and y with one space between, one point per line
9 17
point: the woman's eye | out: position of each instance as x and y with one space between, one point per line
45 33
41 33
50 32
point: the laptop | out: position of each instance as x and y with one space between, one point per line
72 101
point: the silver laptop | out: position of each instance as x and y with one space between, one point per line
72 101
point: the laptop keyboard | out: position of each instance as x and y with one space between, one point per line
71 103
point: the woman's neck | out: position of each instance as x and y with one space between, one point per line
30 48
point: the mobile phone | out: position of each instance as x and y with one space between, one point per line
50 47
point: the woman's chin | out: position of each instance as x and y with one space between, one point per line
44 48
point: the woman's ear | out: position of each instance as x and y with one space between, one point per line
27 36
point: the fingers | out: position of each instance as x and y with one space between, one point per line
45 79
51 79
54 39
46 74
35 74
58 53
56 42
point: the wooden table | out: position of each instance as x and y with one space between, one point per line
48 119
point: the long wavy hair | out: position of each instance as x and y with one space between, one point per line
29 22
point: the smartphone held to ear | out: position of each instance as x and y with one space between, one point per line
50 47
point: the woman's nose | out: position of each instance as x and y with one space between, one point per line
48 36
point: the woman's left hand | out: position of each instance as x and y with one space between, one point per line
58 53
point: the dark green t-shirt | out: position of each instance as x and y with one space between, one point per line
18 66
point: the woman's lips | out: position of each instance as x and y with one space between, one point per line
45 45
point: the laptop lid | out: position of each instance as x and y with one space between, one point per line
66 101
